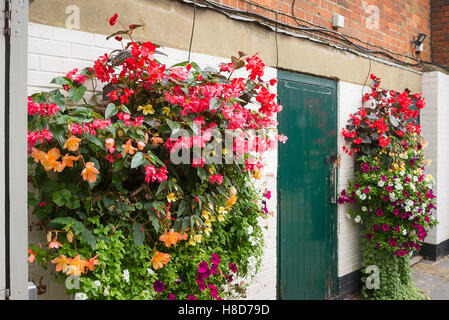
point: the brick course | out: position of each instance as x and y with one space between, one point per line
400 21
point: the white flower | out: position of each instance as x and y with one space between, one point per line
404 232
126 275
357 219
381 183
252 240
399 187
106 291
402 172
80 296
392 196
358 192
364 208
97 283
250 229
150 271
363 197
415 178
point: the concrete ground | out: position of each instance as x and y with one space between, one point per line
432 278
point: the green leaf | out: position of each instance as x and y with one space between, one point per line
154 220
89 237
118 165
111 110
177 225
76 94
56 97
62 81
201 173
173 125
161 187
137 160
58 132
138 234
185 223
95 140
182 207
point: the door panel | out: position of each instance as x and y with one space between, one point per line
306 215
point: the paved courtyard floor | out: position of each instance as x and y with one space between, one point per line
432 278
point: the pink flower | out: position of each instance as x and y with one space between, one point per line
218 178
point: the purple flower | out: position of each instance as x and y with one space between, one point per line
369 236
233 267
171 296
179 280
213 290
384 178
215 259
203 267
213 268
396 211
365 167
158 286
389 188
374 168
401 253
379 212
392 242
191 297
385 227
375 227
366 190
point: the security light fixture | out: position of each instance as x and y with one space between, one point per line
419 42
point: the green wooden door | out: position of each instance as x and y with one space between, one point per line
307 212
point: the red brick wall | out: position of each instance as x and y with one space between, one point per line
440 31
400 21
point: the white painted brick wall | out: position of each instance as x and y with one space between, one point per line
434 121
349 254
54 51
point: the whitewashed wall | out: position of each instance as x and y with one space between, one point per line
349 257
54 51
435 129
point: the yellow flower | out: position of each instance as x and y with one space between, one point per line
147 109
206 214
171 197
166 111
222 210
220 218
207 223
198 238
191 241
208 230
256 174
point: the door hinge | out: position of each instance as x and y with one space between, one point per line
7 14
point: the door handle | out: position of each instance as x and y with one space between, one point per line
332 161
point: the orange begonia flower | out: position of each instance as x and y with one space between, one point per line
32 256
54 244
50 161
92 263
170 238
160 259
77 266
62 263
231 201
38 155
67 160
140 145
90 172
72 143
128 148
156 140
